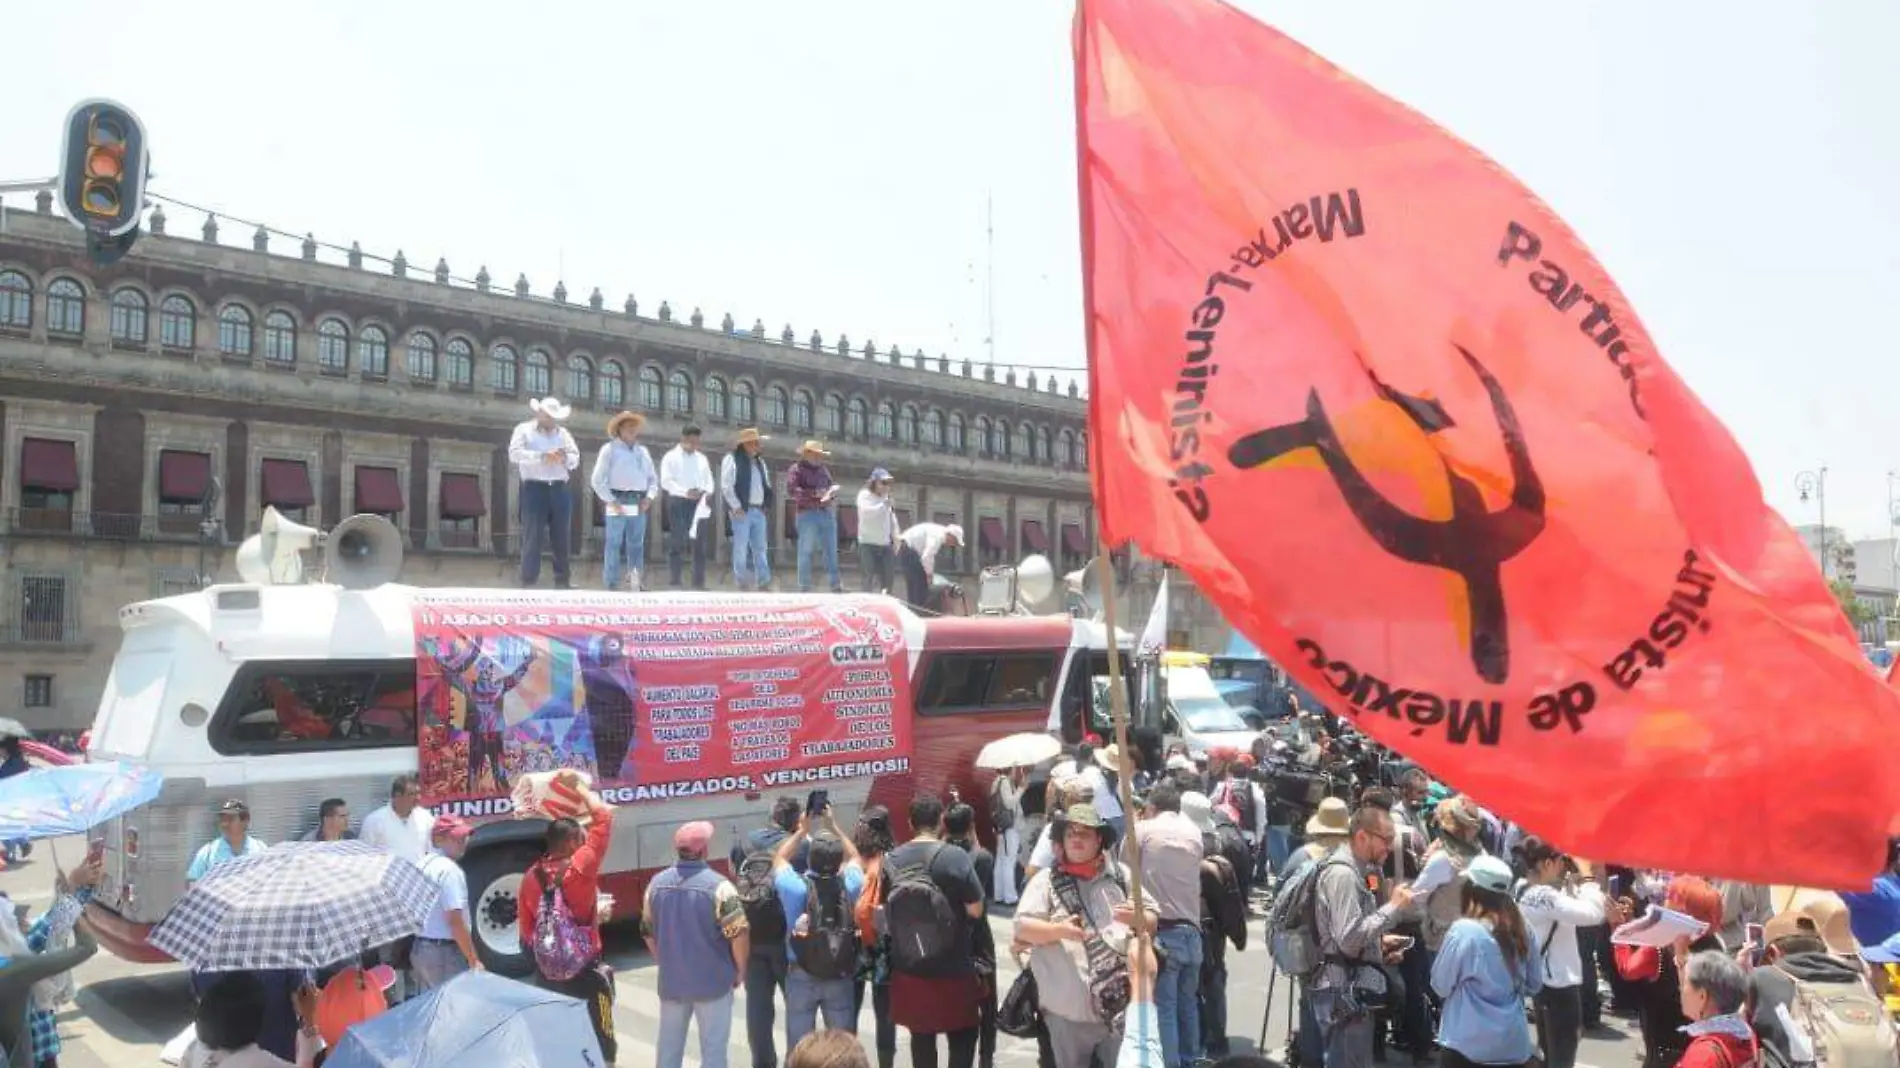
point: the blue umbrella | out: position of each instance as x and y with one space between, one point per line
477 1018
72 798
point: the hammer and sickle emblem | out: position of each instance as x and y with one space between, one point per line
1473 544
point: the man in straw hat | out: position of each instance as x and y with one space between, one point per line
544 452
815 497
626 484
747 488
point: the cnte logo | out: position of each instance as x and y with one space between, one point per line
857 654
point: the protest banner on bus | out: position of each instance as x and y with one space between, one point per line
655 698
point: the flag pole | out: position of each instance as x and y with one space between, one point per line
1118 706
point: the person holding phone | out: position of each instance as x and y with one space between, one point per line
1560 896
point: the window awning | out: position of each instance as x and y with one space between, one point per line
1034 536
51 465
1074 540
286 484
847 523
462 496
183 476
378 489
990 535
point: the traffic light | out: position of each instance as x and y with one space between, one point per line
103 168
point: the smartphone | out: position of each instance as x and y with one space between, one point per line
818 802
1616 887
1755 936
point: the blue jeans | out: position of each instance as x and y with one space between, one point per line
1178 994
804 996
714 1018
547 518
1279 848
818 530
750 568
626 548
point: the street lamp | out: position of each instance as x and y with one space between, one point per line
1814 484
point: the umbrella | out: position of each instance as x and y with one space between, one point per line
297 905
476 1018
52 802
1019 751
12 728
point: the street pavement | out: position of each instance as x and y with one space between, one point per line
125 1013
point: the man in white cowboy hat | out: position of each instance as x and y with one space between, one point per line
917 548
544 453
815 498
747 488
626 484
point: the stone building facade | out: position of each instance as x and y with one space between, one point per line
328 389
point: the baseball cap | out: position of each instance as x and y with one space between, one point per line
447 826
1487 872
234 807
695 836
1887 952
880 475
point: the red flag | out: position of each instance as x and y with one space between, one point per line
1391 415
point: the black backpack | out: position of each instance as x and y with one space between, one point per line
829 947
764 913
922 925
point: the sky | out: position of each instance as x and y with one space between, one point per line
879 168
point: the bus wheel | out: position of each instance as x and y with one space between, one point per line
494 890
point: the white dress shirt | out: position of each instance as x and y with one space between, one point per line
624 468
877 519
530 445
729 482
408 839
681 471
1554 915
925 539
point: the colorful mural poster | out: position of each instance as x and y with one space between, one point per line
657 698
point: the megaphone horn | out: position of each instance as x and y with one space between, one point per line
363 552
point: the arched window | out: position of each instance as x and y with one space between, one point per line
460 357
538 379
999 439
333 346
128 316
982 428
372 352
679 393
420 357
745 404
280 338
1045 453
1025 443
177 322
886 426
1065 449
775 406
504 370
234 331
834 414
907 424
953 434
651 391
613 384
1082 450
580 378
933 428
715 397
65 307
801 410
858 419
16 301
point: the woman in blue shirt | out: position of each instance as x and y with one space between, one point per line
1484 971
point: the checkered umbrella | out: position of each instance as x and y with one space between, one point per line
297 905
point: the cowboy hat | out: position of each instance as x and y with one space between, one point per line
1818 912
1085 815
618 421
1109 756
814 446
1332 820
550 407
750 434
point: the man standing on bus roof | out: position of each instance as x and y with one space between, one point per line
233 841
747 488
815 495
917 549
687 479
626 484
544 452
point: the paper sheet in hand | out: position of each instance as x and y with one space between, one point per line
1659 927
700 515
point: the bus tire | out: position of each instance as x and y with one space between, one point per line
494 887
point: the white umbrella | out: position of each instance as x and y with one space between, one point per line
1019 751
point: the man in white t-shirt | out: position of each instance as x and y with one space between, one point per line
444 948
403 826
